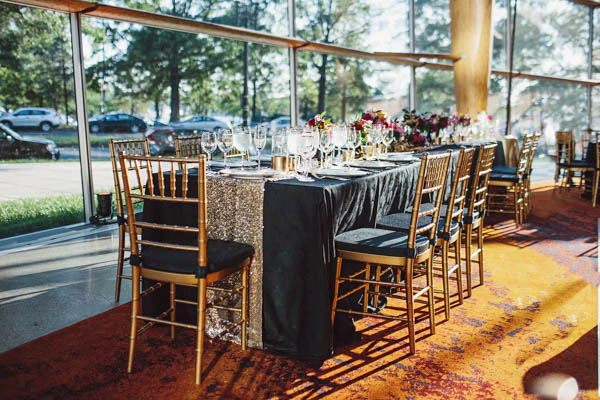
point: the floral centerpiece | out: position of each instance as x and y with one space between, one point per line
376 118
320 122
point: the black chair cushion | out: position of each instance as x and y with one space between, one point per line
381 242
504 169
221 254
577 164
500 176
401 222
139 216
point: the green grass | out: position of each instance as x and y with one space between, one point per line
66 140
29 215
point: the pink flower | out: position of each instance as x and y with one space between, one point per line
369 115
490 117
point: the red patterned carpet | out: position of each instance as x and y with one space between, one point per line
536 314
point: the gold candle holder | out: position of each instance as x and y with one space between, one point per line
369 150
347 155
279 163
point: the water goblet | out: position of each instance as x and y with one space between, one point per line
387 138
208 141
225 143
326 145
242 141
260 140
339 137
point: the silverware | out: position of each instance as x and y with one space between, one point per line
328 177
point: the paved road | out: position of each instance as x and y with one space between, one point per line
40 179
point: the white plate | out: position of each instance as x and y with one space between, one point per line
400 157
233 163
249 173
371 164
344 172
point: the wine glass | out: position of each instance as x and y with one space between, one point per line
339 137
326 145
241 141
208 141
225 143
387 137
376 138
260 140
307 148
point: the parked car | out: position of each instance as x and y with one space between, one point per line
199 123
116 122
13 145
282 122
161 140
44 118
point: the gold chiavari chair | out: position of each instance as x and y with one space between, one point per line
507 188
475 213
451 215
129 147
180 255
398 251
593 170
527 178
190 147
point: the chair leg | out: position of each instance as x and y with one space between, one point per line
120 259
516 205
458 262
468 239
595 190
410 306
480 248
366 291
135 301
556 173
337 288
201 314
172 300
430 298
445 279
377 278
245 308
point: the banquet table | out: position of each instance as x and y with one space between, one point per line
292 225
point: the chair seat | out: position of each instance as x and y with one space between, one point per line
221 254
500 176
381 242
401 222
504 169
577 164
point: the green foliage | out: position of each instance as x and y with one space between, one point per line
28 215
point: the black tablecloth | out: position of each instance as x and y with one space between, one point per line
300 222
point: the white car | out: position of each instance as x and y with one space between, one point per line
200 123
44 118
283 122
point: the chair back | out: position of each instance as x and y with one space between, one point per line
564 147
136 147
596 139
458 189
188 146
169 185
524 157
431 184
479 183
534 142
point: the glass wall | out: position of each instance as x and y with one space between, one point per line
37 109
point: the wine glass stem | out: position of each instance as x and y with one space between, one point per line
259 160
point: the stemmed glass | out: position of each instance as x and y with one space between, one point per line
387 138
339 137
326 145
241 141
225 143
260 140
376 138
208 141
307 147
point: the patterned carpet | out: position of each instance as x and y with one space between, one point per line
536 314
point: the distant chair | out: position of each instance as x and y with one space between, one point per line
137 147
566 164
190 147
507 185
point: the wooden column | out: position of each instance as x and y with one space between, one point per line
470 29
